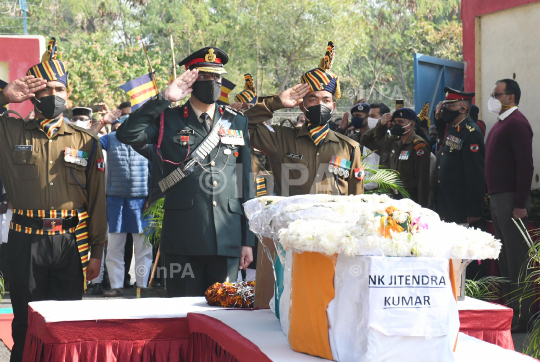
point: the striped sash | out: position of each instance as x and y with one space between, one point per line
318 133
81 230
261 186
51 126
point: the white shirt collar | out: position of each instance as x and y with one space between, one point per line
503 115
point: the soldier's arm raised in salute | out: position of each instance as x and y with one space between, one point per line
21 89
378 139
262 137
142 127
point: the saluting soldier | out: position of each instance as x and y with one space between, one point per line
310 159
409 153
461 183
205 234
54 175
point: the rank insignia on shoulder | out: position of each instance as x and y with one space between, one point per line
294 155
359 173
470 128
474 148
101 164
420 152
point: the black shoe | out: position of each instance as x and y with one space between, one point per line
97 289
127 285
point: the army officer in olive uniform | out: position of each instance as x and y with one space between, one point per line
205 235
311 159
409 154
54 176
461 184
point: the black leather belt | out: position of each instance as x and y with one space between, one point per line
46 224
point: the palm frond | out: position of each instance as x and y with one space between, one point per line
154 216
487 288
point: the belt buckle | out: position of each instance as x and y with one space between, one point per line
52 224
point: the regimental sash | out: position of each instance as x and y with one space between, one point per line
261 186
81 230
50 126
318 134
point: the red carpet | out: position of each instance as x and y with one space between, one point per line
5 330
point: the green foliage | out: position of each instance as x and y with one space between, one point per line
154 216
275 40
486 288
387 180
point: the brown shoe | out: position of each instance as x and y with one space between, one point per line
113 292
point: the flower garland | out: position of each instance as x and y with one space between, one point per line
367 225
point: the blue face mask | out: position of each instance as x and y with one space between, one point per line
357 122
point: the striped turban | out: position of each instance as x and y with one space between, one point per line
50 68
248 95
322 78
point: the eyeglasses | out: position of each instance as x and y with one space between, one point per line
495 95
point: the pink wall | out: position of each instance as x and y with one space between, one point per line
20 53
470 9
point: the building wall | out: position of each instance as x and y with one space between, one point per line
498 42
19 53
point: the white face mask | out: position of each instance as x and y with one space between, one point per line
82 124
494 105
372 122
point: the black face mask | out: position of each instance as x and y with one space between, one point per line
398 130
432 140
207 91
50 106
358 122
318 115
448 116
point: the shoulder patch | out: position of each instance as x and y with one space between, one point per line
351 142
84 130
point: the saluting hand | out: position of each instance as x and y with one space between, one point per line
438 110
181 86
112 116
23 88
344 121
385 119
294 96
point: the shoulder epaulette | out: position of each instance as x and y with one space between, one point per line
351 142
84 130
470 128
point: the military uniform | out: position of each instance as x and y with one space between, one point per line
411 159
56 185
204 223
461 185
299 166
461 182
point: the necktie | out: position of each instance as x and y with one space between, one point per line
204 117
51 126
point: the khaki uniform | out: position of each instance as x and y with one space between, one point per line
38 177
411 159
298 165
